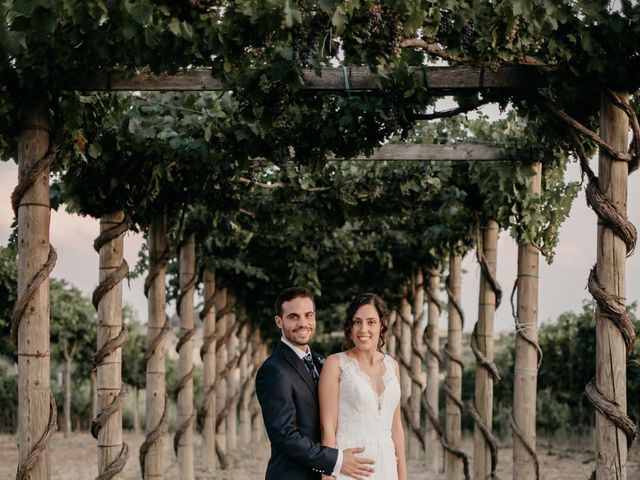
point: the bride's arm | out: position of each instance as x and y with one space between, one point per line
328 397
397 435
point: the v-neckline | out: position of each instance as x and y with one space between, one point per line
368 378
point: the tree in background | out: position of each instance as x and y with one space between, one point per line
568 344
133 364
73 335
8 295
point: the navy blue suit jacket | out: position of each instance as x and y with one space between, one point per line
288 397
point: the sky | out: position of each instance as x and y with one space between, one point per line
562 284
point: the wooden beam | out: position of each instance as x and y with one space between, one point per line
451 152
441 80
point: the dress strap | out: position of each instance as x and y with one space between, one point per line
345 362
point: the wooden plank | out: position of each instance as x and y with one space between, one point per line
441 80
420 152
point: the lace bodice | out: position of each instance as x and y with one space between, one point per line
362 412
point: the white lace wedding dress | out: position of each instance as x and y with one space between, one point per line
365 418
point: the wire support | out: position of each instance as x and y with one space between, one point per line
523 329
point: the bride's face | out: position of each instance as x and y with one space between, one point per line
365 332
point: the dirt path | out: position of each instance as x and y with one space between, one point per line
75 459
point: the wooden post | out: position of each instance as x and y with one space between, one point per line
184 433
110 327
155 424
526 361
245 347
66 422
258 358
453 464
391 336
611 352
417 347
136 410
221 364
406 321
209 360
432 445
232 375
483 398
34 394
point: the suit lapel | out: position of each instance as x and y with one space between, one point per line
299 366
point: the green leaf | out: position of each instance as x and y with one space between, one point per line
95 150
186 30
175 27
141 10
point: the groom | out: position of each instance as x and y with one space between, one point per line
286 385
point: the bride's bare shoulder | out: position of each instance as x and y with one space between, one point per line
332 361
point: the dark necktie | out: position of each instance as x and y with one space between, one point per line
308 361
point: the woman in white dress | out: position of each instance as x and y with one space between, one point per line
359 393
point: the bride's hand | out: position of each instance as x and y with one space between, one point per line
327 477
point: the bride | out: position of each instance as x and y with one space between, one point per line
359 392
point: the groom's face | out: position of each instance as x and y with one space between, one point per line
298 321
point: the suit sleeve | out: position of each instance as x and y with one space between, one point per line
276 400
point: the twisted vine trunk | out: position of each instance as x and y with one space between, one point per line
94 393
417 383
483 334
36 416
525 463
209 365
245 372
232 375
110 392
611 351
432 446
453 463
391 336
221 363
155 425
184 433
405 365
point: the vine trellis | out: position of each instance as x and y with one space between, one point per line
504 66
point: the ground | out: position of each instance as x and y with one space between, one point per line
75 458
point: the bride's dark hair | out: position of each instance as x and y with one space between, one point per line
381 308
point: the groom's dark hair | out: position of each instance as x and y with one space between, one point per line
289 294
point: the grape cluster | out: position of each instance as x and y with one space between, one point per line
372 22
397 36
308 34
446 23
469 36
537 44
511 36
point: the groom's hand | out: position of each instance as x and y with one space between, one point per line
356 467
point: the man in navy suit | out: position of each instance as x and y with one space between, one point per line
286 385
